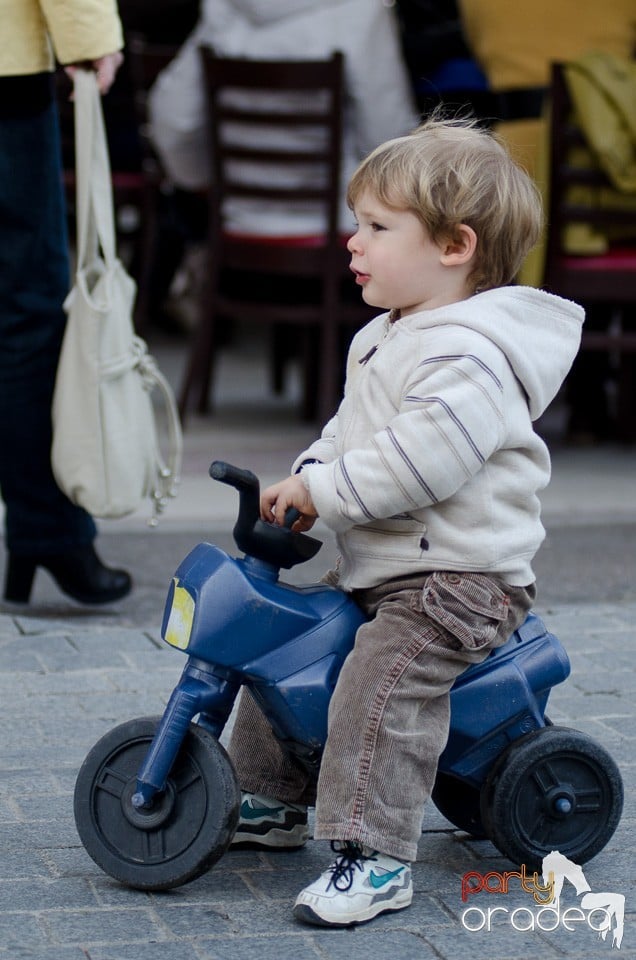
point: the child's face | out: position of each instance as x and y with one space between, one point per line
395 261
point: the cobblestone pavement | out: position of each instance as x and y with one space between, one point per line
68 675
64 684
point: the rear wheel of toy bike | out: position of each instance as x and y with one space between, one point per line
554 789
187 829
459 802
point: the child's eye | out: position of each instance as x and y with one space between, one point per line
376 227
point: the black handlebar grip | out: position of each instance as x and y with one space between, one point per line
233 476
263 541
291 516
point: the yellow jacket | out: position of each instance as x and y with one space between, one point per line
603 90
34 32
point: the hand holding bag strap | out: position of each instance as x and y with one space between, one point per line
95 212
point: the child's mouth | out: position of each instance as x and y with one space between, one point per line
361 278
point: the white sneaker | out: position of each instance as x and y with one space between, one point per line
268 824
359 885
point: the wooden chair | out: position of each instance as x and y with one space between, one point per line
608 278
322 259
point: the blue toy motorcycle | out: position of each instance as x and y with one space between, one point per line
157 801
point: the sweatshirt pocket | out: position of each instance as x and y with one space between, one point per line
401 537
470 606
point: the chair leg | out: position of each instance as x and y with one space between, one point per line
329 355
626 398
197 373
187 383
279 356
200 360
327 400
146 252
309 366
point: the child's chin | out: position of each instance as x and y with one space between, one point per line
373 301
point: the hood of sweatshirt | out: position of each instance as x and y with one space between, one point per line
261 12
539 333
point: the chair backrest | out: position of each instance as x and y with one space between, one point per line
579 188
276 136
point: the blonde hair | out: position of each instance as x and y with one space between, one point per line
448 172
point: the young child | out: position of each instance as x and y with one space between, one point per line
428 474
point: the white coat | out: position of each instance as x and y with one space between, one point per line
378 97
431 462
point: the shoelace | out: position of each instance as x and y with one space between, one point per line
349 857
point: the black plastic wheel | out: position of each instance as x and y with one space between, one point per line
459 802
554 789
189 826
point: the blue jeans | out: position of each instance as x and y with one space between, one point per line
34 280
390 712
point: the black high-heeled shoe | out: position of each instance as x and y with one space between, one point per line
78 572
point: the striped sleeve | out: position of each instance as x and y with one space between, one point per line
450 422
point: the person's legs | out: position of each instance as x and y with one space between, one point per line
276 791
389 715
389 722
40 521
34 280
261 764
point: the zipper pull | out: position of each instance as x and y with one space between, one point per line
367 356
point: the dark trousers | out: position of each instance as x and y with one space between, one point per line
34 280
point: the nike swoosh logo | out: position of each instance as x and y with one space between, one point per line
253 813
378 881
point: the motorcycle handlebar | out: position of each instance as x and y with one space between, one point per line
277 545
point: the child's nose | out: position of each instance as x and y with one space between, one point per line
353 243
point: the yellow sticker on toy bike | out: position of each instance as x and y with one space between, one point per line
181 618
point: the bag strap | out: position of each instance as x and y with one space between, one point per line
168 471
94 194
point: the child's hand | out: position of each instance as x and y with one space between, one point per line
292 492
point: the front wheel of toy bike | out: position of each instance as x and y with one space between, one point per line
187 829
554 789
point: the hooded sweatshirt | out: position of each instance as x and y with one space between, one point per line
378 99
431 461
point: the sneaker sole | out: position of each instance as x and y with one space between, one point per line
262 845
307 914
272 840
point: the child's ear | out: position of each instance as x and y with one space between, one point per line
460 248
